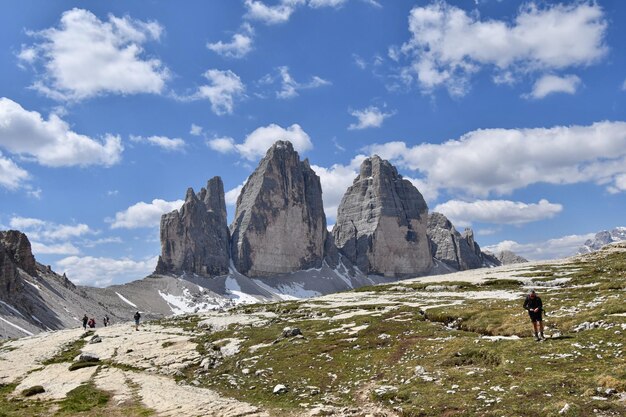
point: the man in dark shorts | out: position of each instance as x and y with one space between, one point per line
535 307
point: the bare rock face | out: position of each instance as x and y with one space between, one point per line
195 239
279 224
458 251
15 252
381 223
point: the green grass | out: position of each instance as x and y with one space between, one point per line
85 397
69 351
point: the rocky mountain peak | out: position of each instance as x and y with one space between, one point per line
279 224
381 222
456 250
602 238
195 239
15 248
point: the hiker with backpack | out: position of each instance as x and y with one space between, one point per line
137 316
534 306
85 320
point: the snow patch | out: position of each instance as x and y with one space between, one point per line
238 296
124 299
16 326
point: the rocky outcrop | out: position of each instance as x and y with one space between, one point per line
456 250
507 257
279 224
195 239
15 252
381 223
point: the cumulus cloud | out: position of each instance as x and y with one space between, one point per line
498 161
224 88
463 213
261 139
369 117
223 145
550 84
556 248
85 57
271 15
289 87
448 45
144 214
11 175
163 142
101 272
335 181
232 195
54 249
44 230
51 142
238 47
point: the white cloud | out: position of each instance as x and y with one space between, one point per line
369 117
100 272
11 175
271 15
223 145
624 86
239 46
261 139
51 142
335 181
232 195
289 87
224 88
195 130
550 84
448 45
549 249
54 249
463 214
144 214
163 142
47 231
326 3
85 57
499 161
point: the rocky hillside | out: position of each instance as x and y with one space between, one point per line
452 345
603 238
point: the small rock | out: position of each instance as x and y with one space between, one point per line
88 357
280 389
291 331
95 339
565 409
245 371
385 389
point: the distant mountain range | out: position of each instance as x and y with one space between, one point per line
603 238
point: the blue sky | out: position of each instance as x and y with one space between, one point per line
509 116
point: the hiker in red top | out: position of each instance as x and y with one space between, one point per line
535 307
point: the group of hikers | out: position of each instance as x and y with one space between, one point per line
91 322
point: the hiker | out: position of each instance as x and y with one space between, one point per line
85 320
91 323
535 307
137 316
106 321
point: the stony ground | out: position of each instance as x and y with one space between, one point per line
453 345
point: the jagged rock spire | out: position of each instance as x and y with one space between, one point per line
381 223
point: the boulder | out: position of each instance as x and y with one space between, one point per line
88 357
279 225
381 223
195 239
291 331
